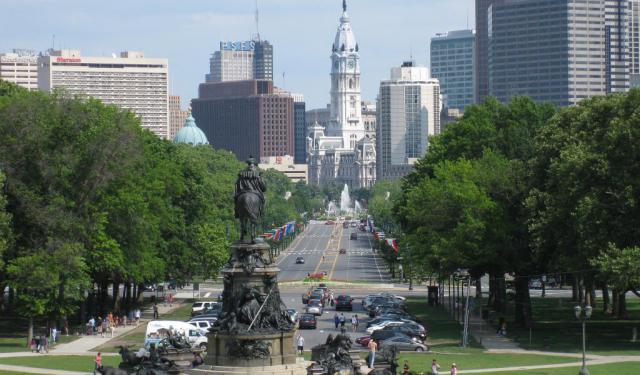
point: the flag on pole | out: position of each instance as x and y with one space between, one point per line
393 243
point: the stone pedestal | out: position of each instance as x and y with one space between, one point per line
254 334
281 349
297 368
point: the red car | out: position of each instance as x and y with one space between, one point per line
364 340
329 222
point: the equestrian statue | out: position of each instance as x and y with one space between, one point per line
249 200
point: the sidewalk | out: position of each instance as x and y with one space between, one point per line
35 370
484 333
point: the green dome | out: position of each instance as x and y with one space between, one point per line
191 134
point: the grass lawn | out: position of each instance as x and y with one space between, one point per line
475 359
623 368
557 329
444 333
183 312
18 343
60 362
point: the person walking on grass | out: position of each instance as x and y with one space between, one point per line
454 369
434 367
343 320
155 311
98 363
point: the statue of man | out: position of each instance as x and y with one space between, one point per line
249 181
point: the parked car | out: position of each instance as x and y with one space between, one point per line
157 329
307 321
404 344
293 315
387 323
363 340
314 307
405 330
342 251
353 236
382 335
329 222
535 284
202 324
199 307
300 260
344 302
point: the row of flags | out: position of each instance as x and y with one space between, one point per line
392 242
277 234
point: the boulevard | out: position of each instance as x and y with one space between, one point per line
359 264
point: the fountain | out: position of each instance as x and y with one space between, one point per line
332 209
345 200
358 207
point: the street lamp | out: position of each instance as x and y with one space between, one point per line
582 314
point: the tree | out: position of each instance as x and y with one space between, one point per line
584 199
383 197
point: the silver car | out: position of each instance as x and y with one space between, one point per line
404 344
314 307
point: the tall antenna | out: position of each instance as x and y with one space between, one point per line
53 42
257 21
467 18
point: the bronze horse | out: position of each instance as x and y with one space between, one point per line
248 207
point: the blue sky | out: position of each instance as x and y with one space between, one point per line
188 31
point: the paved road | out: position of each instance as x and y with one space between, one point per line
320 244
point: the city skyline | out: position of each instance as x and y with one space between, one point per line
300 32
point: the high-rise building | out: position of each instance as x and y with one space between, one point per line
482 48
576 49
452 63
130 81
369 119
244 60
408 113
633 16
246 117
340 152
177 116
300 129
263 60
20 67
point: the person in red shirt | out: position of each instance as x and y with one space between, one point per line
98 362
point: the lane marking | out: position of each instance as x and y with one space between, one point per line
335 258
375 260
326 248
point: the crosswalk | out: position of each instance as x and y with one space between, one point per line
352 252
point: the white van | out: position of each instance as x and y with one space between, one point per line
158 329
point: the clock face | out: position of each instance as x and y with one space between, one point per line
352 64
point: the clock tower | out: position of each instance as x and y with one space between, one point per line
346 118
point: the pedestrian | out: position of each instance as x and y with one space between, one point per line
354 323
454 369
110 317
99 324
54 334
45 343
66 327
503 328
112 329
91 326
98 362
434 367
373 347
155 311
343 320
105 327
336 320
300 344
137 316
499 330
405 368
170 300
32 344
